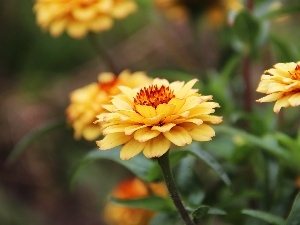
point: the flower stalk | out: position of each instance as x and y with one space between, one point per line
164 164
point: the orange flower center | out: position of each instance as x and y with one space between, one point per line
106 84
296 73
153 96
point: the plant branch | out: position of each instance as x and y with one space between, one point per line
164 164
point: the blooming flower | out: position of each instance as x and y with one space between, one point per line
78 17
132 189
86 102
149 119
281 84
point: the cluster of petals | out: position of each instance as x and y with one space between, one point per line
85 102
281 84
152 129
78 17
132 188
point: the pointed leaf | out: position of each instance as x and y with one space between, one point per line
258 141
200 213
294 216
154 203
210 161
139 165
268 217
33 136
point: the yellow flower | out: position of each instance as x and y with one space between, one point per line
78 17
151 118
281 84
214 11
86 102
132 189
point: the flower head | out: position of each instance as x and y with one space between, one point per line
86 102
131 189
281 84
78 17
151 118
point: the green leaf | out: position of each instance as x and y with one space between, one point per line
139 165
210 161
154 203
294 216
216 211
281 11
33 136
200 213
247 29
258 141
268 217
166 219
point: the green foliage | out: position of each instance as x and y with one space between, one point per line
270 218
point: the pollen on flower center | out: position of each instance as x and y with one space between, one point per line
153 96
296 73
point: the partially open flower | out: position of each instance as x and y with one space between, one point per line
132 189
78 17
281 84
151 118
86 102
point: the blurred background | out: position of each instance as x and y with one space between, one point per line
37 73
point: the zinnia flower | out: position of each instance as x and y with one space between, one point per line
131 189
78 17
86 102
281 84
149 119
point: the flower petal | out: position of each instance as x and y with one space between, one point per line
282 102
115 128
294 100
186 88
190 103
163 128
131 149
130 94
165 109
270 98
145 134
146 111
113 140
156 147
130 129
178 136
202 133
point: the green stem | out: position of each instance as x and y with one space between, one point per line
164 164
102 53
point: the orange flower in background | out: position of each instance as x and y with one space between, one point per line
78 17
151 118
132 189
86 102
281 84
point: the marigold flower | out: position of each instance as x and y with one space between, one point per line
281 84
151 118
78 17
86 102
131 189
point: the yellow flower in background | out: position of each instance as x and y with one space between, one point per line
214 11
78 17
86 102
281 84
151 118
132 189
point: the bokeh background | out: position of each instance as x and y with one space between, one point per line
37 73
